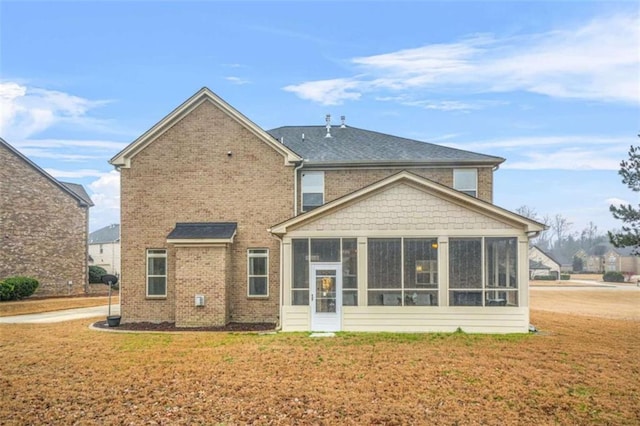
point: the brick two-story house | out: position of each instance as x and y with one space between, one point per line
43 226
314 228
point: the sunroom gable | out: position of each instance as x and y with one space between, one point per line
407 202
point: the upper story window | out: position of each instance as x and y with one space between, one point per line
466 180
312 190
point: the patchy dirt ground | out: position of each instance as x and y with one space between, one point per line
577 370
618 303
36 305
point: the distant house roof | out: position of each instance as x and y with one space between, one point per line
108 234
353 146
547 254
203 232
74 190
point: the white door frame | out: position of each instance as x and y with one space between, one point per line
332 320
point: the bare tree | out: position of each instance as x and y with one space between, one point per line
527 211
561 230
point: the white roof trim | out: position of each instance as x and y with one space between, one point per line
123 158
407 177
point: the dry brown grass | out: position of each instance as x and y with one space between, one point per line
35 306
579 370
597 302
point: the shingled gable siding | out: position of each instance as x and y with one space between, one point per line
186 176
338 183
43 230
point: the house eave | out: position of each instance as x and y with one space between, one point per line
311 164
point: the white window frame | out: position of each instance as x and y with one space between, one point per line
254 253
302 192
157 253
473 191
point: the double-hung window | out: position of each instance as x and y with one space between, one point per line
156 273
258 272
312 190
466 180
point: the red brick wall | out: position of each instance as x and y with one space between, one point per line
185 175
43 231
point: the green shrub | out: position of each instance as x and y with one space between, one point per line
15 288
545 277
613 277
95 272
6 291
565 277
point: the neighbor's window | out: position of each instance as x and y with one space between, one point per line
312 190
258 272
403 271
156 272
466 180
472 285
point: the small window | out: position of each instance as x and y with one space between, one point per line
466 180
156 273
101 249
312 190
258 272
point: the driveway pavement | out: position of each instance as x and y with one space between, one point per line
59 316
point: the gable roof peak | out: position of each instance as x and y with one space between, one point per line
123 158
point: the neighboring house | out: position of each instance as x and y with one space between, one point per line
540 257
314 228
104 248
537 269
621 260
43 226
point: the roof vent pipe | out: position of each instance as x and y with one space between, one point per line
303 136
343 118
328 119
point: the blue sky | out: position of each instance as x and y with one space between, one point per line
554 87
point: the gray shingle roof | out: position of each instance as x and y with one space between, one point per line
75 190
203 230
351 145
79 191
108 234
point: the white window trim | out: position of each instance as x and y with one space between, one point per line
302 191
166 269
463 189
251 255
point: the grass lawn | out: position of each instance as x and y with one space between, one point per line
578 370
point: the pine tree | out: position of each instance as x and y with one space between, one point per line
630 216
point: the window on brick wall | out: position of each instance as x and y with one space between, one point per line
312 190
466 180
258 272
156 273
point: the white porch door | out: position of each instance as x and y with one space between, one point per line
326 297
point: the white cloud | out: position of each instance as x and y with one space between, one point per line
105 193
237 80
70 143
573 158
616 202
597 60
547 141
74 174
26 111
328 92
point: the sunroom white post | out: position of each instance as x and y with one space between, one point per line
523 271
443 271
362 272
286 271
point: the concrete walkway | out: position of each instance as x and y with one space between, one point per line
60 316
